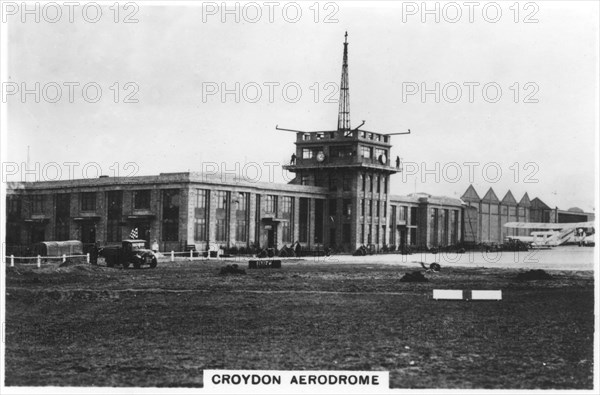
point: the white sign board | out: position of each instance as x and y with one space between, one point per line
454 294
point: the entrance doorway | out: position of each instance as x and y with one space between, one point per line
402 238
272 237
88 233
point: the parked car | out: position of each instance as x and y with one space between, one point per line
130 252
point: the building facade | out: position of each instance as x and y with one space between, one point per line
180 210
340 198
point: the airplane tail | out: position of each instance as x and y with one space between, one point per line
561 237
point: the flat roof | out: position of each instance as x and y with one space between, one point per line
229 180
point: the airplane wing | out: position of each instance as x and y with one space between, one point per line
545 225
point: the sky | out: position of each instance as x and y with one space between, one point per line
525 119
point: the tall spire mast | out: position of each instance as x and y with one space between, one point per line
344 110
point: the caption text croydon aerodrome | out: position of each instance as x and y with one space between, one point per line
299 379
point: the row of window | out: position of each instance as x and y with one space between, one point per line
346 207
346 182
347 152
274 205
373 153
367 206
443 222
373 183
366 234
331 135
374 136
87 201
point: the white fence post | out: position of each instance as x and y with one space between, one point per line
12 260
172 256
64 258
87 257
39 261
191 254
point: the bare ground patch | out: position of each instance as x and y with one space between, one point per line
163 327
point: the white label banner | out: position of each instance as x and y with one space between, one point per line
296 381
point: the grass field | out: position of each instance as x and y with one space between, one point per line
96 326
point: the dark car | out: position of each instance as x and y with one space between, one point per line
130 252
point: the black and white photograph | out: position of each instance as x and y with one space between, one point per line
291 197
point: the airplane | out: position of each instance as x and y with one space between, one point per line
554 234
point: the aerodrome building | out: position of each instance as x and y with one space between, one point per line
183 209
340 198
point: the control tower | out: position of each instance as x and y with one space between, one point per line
354 165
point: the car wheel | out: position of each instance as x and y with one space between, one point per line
125 265
153 263
137 265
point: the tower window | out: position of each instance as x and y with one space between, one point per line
333 207
379 152
347 182
347 207
366 152
307 153
341 151
332 183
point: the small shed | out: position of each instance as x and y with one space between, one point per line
58 248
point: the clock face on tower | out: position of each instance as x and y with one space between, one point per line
320 156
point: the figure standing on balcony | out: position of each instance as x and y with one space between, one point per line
397 162
293 159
